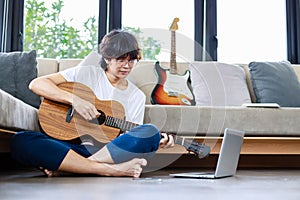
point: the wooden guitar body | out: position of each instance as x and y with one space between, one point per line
52 116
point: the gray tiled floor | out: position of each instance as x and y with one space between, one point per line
247 184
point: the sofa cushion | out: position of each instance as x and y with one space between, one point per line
212 120
67 63
296 67
249 83
275 82
219 84
92 58
143 76
17 71
46 66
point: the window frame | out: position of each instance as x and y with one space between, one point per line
293 31
11 36
110 17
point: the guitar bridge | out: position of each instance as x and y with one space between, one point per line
69 114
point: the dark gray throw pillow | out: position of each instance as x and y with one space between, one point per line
275 82
17 70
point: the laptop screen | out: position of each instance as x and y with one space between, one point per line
229 152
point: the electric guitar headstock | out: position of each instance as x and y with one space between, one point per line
174 25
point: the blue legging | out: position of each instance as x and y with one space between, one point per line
39 150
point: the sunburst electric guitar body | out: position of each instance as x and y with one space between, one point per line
172 88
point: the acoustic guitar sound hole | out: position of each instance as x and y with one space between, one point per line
100 120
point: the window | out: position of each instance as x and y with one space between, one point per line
151 20
61 28
246 30
251 30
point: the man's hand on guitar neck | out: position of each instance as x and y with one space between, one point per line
87 110
167 141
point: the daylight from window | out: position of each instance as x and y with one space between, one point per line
61 28
76 12
154 18
251 30
246 32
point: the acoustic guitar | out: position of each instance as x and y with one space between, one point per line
172 88
60 121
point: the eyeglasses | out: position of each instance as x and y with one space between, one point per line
124 62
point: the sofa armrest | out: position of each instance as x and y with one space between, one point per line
17 115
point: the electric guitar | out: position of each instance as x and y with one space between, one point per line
172 88
60 121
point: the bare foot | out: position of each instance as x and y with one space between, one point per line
49 173
130 168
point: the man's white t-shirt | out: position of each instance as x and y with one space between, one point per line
132 98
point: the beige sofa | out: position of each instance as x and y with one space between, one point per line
271 131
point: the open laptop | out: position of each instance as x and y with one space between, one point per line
228 157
